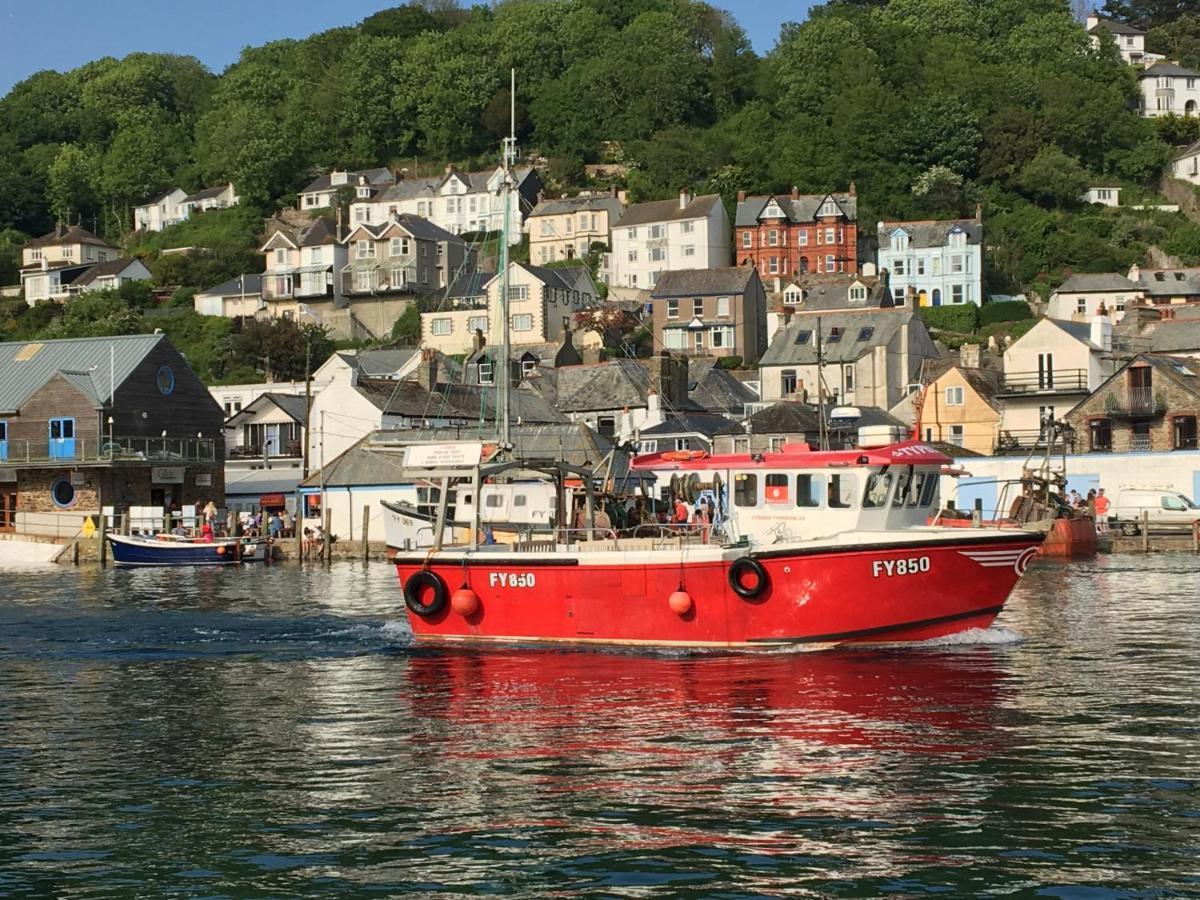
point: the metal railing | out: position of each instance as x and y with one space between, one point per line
1138 401
1056 380
109 450
1139 443
1024 441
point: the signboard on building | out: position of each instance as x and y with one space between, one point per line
432 456
166 475
203 479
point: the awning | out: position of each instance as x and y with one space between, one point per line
272 500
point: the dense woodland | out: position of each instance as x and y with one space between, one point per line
928 106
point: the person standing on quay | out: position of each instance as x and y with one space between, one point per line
1102 504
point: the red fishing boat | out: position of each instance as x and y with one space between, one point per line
806 549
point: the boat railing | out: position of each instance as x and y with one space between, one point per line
640 537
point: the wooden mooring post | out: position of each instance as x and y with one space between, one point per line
327 545
102 534
1145 531
1196 536
366 547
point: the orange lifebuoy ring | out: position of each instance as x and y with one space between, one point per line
684 455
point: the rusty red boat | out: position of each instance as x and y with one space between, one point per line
806 549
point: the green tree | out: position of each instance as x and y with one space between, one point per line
1053 178
71 190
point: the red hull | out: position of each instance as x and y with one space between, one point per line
833 595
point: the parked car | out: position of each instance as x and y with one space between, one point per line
1165 508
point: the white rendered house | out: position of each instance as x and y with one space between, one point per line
652 238
1169 89
160 212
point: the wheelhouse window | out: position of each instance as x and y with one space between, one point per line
929 489
904 485
745 489
776 488
876 492
1100 432
843 488
1185 433
808 490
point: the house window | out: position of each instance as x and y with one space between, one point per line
858 293
773 265
1100 432
747 239
399 247
688 227
1184 433
689 249
441 327
477 323
698 307
633 254
772 238
487 372
956 293
518 292
745 489
829 235
674 338
787 382
606 425
63 493
281 257
956 435
921 265
898 267
722 307
399 277
364 249
956 265
848 378
360 214
954 396
830 264
802 238
1045 371
364 281
522 322
644 447
672 309
657 254
1081 305
722 337
656 232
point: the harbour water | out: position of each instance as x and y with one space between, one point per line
271 732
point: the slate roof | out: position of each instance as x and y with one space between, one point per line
706 424
668 211
1104 281
785 417
1175 336
579 204
68 234
701 282
715 389
930 233
99 270
1169 282
157 198
985 382
83 357
378 458
564 278
295 405
853 343
378 363
1081 331
614 384
832 292
373 177
1168 69
469 402
1114 27
422 188
1182 371
1190 150
468 285
801 209
206 193
234 287
417 226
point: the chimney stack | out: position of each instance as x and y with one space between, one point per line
969 356
478 341
795 192
685 197
741 196
853 189
1101 333
427 369
979 213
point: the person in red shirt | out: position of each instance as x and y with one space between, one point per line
681 513
1102 504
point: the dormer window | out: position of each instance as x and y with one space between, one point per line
858 293
899 240
829 208
835 334
958 239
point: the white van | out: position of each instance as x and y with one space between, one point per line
1166 508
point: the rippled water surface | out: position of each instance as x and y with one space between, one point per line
271 732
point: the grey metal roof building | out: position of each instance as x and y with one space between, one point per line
845 336
25 367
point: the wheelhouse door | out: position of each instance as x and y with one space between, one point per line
62 438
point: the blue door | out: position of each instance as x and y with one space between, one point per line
62 438
3 441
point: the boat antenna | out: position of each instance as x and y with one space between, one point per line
503 385
822 430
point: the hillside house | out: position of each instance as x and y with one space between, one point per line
1151 403
1169 89
711 312
160 212
652 238
1080 297
222 196
797 234
323 191
301 264
568 227
53 263
939 263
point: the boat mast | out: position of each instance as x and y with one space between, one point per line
504 374
822 428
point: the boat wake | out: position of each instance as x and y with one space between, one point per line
974 637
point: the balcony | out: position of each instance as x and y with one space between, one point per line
1136 403
1026 441
1057 381
106 451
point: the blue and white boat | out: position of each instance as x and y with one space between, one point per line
169 550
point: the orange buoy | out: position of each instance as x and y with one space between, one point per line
221 550
464 601
680 602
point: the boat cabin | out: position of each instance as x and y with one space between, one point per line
802 494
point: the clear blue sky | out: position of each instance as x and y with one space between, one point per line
66 33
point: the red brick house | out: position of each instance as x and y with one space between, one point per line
797 234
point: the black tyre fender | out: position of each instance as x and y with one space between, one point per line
740 566
412 593
1130 529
